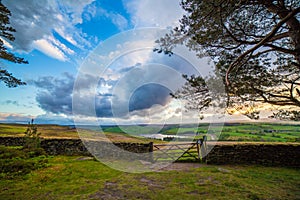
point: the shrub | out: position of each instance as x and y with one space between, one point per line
9 153
32 137
34 152
17 162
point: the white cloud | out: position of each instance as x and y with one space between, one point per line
60 45
49 49
36 21
64 34
50 118
91 11
159 13
53 48
6 44
13 117
119 21
75 9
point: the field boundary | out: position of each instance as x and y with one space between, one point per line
268 154
77 146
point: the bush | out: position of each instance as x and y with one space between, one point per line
16 162
9 153
32 136
34 152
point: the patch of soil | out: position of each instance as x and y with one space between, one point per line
85 158
151 184
181 166
112 191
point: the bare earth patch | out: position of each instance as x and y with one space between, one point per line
177 166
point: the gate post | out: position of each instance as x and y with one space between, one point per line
204 148
151 152
198 148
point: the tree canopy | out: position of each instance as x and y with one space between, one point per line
256 49
6 33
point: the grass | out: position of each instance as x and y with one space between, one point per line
68 177
18 161
47 131
57 131
72 178
262 132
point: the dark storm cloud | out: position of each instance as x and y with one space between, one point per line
55 93
138 89
149 95
103 107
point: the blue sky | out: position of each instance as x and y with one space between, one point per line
58 37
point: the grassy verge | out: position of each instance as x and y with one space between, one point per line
73 178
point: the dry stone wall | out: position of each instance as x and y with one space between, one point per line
77 147
283 154
252 153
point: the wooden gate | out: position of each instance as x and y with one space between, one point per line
176 151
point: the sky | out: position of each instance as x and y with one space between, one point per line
93 61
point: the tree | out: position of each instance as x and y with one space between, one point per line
6 32
255 45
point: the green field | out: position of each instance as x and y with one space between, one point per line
57 131
69 177
259 132
46 131
262 132
25 175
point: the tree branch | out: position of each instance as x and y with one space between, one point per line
261 43
281 49
279 36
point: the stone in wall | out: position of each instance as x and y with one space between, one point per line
131 151
251 153
260 154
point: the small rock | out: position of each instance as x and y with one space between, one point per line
223 170
85 158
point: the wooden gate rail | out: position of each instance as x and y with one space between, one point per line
176 151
